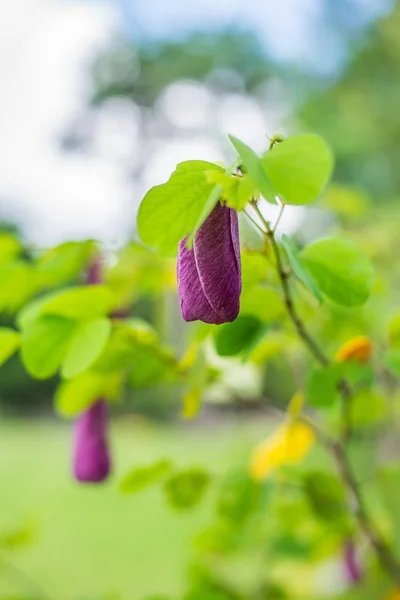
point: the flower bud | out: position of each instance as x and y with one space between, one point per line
209 274
92 459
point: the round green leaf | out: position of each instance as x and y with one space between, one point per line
186 488
44 344
322 385
86 344
74 395
140 478
299 167
170 211
87 301
9 342
238 336
340 269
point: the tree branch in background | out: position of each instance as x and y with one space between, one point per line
382 551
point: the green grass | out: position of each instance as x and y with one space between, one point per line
93 540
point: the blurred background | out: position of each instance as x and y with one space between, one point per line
99 100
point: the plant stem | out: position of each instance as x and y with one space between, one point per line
382 551
279 216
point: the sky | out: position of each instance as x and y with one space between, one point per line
46 47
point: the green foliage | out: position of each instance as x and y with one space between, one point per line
240 498
298 268
255 170
86 344
44 344
185 489
9 343
299 167
240 336
66 262
322 385
262 302
340 269
326 496
170 211
139 478
75 395
85 302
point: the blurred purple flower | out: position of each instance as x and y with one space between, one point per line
209 275
92 459
351 563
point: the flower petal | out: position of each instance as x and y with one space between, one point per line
217 256
194 304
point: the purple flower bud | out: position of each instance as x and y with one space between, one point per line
92 460
351 563
209 275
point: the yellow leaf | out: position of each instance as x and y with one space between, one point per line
191 403
287 446
296 404
189 358
358 348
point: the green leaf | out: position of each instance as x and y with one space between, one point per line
65 262
238 336
254 169
299 167
31 311
236 191
210 204
392 361
186 489
9 343
368 407
85 302
139 478
240 498
75 395
357 373
299 270
170 211
263 303
326 495
322 384
148 367
86 344
191 402
18 283
10 247
340 269
44 344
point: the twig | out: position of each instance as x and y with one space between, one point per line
254 222
279 216
382 551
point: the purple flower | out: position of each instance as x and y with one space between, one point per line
209 275
351 563
92 459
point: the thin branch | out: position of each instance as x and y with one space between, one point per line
305 336
254 222
382 551
279 216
